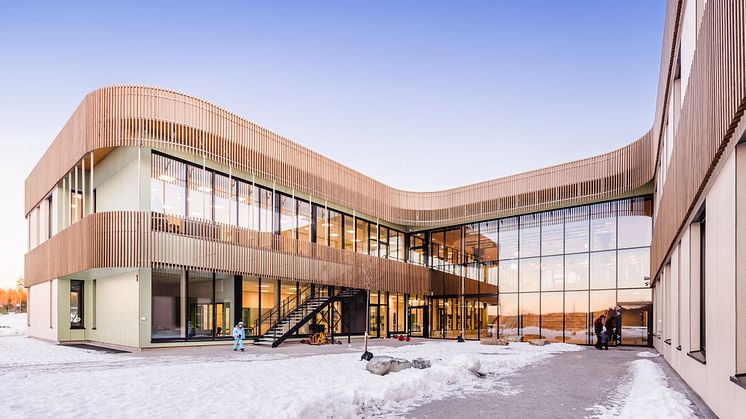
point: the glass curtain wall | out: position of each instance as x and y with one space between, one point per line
559 270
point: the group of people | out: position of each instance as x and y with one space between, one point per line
607 330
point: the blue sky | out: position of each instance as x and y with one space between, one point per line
419 95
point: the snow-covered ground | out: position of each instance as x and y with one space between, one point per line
646 394
12 324
49 380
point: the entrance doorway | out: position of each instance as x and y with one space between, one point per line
635 323
418 321
378 321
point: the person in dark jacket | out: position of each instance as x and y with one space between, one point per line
611 328
598 327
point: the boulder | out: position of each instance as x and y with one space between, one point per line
382 365
514 338
538 342
492 341
420 363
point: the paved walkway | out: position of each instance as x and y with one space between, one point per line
564 386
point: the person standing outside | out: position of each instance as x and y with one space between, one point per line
239 334
598 327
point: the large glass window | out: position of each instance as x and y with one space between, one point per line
508 276
453 250
224 304
168 294
167 186
603 270
603 226
286 221
508 238
416 249
552 316
576 271
266 210
634 268
576 317
488 232
322 224
248 206
250 304
349 232
635 222
199 193
552 233
552 273
76 304
303 233
508 312
576 230
603 302
530 235
225 200
529 317
361 238
199 303
530 274
335 229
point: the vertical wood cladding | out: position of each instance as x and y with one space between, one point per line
712 108
130 116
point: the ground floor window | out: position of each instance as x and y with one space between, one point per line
76 304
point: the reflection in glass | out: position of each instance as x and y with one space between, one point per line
508 311
552 233
530 235
602 302
199 193
603 226
603 270
529 315
168 186
576 271
635 222
576 317
552 273
488 241
552 316
530 274
322 224
335 229
225 200
361 238
168 301
634 306
508 276
576 230
634 268
508 238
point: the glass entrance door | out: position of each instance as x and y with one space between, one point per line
377 321
635 323
417 321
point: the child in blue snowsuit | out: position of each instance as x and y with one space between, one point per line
238 336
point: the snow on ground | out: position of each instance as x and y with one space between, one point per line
646 354
72 382
646 394
12 324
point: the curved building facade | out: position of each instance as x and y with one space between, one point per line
158 219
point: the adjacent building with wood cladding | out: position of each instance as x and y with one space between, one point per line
158 219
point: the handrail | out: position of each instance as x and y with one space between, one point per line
279 312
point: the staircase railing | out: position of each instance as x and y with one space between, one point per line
275 314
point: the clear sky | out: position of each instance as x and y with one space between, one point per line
419 95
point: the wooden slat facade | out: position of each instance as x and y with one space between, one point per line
130 116
711 110
130 239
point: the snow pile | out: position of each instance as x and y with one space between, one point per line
13 324
646 354
646 395
332 385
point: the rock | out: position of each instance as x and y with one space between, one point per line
420 363
514 338
491 341
538 342
382 365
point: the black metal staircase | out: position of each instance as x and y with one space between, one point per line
284 320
